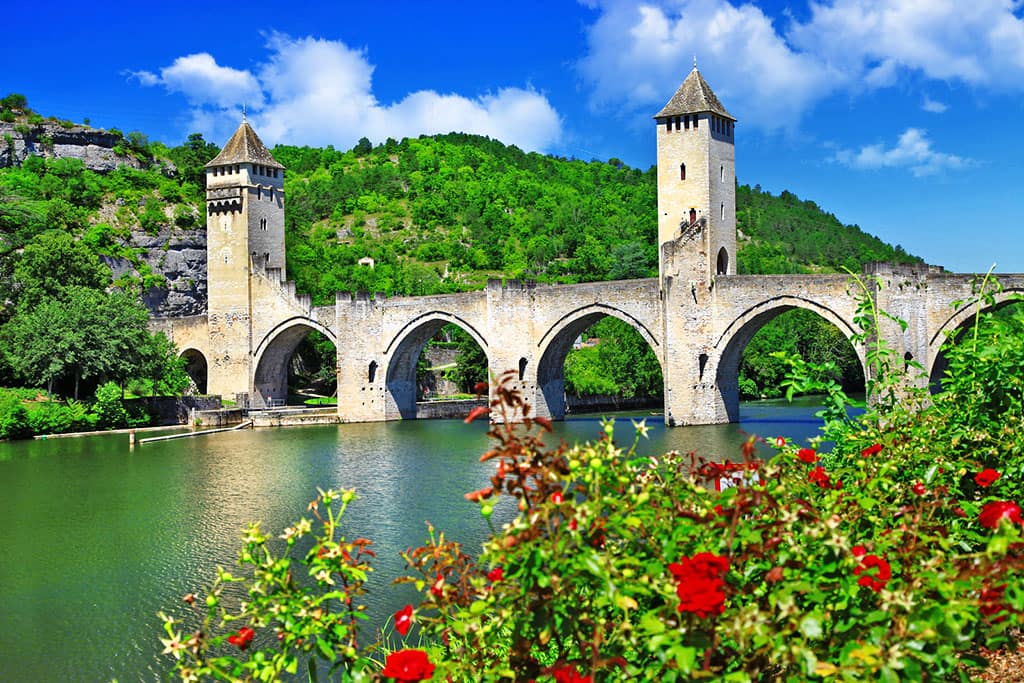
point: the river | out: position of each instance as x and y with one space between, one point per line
97 537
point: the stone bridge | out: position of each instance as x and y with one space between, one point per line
697 332
697 315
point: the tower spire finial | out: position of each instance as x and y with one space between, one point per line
243 113
695 61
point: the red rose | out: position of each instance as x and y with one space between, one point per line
808 455
819 476
569 674
873 449
403 619
242 639
495 575
700 583
986 477
557 498
918 488
877 581
858 551
407 666
997 510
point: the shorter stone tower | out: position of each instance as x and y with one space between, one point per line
696 184
245 235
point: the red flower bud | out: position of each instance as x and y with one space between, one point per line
495 575
242 639
403 619
557 498
918 488
438 588
873 449
780 441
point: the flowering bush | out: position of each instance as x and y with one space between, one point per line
899 555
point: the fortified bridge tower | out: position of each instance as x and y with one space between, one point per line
697 316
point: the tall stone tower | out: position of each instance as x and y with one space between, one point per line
696 184
244 235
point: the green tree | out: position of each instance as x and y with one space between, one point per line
470 360
620 364
192 157
53 262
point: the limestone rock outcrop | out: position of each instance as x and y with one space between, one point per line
51 140
178 255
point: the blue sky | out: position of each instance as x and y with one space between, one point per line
902 116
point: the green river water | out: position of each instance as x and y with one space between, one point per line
97 537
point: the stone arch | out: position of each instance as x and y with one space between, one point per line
404 351
962 317
196 367
554 346
729 347
723 261
274 351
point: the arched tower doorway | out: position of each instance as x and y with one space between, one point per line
195 366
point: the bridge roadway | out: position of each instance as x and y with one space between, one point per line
697 331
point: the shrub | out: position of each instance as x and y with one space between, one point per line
875 562
14 423
109 408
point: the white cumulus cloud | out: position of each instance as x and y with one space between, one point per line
771 73
316 92
913 150
202 81
639 54
934 106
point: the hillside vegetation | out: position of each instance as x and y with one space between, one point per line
443 213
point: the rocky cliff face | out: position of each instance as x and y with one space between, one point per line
52 140
180 256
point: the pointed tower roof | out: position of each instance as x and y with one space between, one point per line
693 97
245 147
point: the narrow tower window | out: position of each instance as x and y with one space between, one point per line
263 224
721 172
677 123
682 171
693 216
696 120
723 261
686 121
723 211
668 124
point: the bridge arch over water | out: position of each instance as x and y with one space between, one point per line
404 350
274 352
558 340
734 339
957 323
